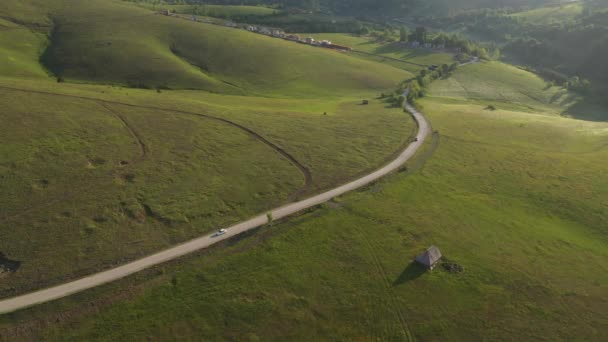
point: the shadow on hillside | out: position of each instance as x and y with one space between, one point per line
411 272
589 110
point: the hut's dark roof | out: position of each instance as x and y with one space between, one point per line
429 257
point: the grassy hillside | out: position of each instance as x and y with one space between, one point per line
551 14
497 82
116 173
513 196
83 191
93 175
143 49
20 49
99 174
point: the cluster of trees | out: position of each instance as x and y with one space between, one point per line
396 99
560 47
456 42
579 85
417 87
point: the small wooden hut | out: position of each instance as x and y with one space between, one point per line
429 258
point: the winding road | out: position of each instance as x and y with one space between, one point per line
97 279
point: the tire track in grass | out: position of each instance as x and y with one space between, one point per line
143 152
203 242
105 103
143 148
303 169
387 284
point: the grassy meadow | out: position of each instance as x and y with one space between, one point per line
502 84
116 180
211 125
86 39
94 175
201 56
511 194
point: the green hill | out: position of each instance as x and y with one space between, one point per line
514 195
118 43
115 172
94 174
498 82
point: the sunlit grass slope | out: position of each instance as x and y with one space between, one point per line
119 43
495 81
140 170
553 14
86 184
98 174
516 197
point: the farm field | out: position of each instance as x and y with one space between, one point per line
95 173
511 194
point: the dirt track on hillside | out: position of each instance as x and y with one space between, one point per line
66 289
307 175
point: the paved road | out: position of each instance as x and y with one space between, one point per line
56 292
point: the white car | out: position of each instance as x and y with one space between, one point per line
219 232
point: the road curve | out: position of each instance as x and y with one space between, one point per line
97 279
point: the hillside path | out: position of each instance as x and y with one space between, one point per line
97 279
